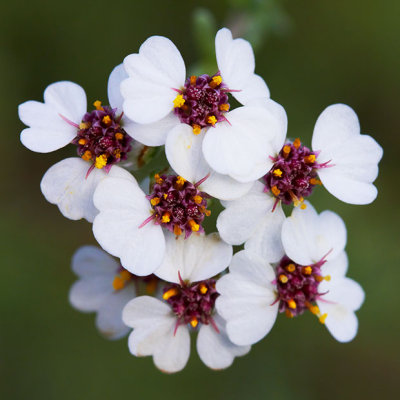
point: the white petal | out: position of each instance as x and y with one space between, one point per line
184 153
153 333
154 73
88 294
123 208
266 239
65 184
48 131
154 134
89 261
214 348
243 145
109 317
354 157
247 299
253 88
115 98
238 222
197 258
336 268
308 237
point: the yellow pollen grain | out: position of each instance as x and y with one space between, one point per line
166 218
196 129
194 322
197 199
82 141
177 230
303 206
165 196
158 179
97 104
322 318
179 101
211 120
327 278
193 79
307 270
84 125
290 268
288 313
310 159
170 293
119 136
101 161
314 181
275 190
203 288
193 226
118 283
106 120
292 304
223 107
314 310
286 150
277 172
216 81
87 155
283 278
154 201
117 153
297 143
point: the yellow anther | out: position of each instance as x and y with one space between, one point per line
170 293
118 283
207 212
318 278
322 318
286 150
119 136
327 278
179 182
154 201
106 120
166 218
158 179
177 230
179 101
303 206
297 143
87 155
193 79
196 129
314 310
203 288
310 159
197 199
314 181
275 191
82 141
125 275
165 196
211 120
216 81
84 125
193 226
194 322
283 278
290 267
224 107
288 313
117 153
101 161
277 172
292 304
97 104
307 270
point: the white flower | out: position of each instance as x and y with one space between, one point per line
310 275
159 97
103 287
62 119
161 329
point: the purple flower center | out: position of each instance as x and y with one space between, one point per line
202 102
297 287
178 205
294 173
192 303
101 138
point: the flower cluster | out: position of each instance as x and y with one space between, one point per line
161 273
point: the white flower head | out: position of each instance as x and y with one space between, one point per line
309 276
101 137
162 328
159 97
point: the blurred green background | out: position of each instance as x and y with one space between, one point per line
312 54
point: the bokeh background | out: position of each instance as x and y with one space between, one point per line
312 54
